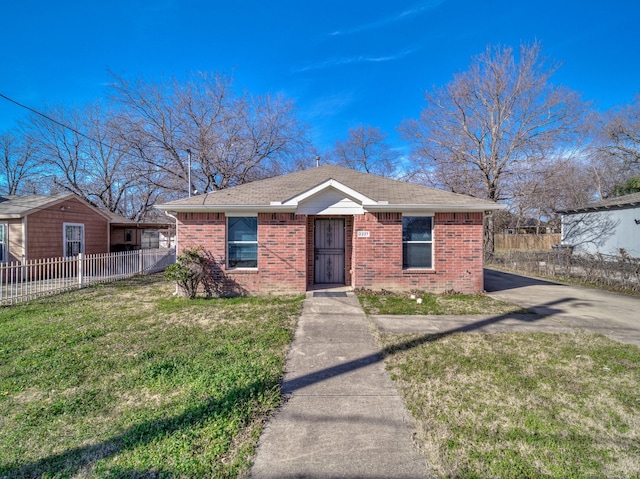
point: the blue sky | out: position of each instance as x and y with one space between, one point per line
343 62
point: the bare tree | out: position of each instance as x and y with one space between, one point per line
621 133
543 188
366 150
82 152
615 150
481 129
19 162
232 139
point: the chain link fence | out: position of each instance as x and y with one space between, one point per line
619 271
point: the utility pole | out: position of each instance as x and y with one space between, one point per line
189 173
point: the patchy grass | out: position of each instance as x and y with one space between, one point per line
522 405
385 302
124 380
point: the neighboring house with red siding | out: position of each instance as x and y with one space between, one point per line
335 226
51 226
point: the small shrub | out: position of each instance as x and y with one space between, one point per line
191 271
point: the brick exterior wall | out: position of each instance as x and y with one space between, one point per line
457 254
281 251
286 254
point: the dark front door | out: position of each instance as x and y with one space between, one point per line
329 251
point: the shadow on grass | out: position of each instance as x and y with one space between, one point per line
343 368
73 460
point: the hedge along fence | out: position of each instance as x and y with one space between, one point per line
619 271
538 242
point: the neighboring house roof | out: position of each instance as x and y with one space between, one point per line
617 202
117 220
15 207
12 206
284 193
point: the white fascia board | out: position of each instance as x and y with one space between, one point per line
435 208
349 192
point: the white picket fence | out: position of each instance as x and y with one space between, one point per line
23 281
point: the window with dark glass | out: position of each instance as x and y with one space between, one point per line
417 242
3 243
73 239
242 242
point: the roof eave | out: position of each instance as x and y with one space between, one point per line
227 208
292 208
436 207
591 209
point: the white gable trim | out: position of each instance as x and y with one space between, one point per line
336 185
330 201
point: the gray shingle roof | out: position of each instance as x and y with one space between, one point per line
615 202
12 206
263 193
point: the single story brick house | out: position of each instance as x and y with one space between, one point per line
52 226
335 226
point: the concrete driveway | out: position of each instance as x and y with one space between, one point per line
612 314
557 307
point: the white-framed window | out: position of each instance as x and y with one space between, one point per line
73 239
242 242
4 243
417 242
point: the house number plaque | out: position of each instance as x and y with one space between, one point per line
363 234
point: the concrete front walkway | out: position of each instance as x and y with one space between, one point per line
343 417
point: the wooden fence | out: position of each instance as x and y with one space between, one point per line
23 281
528 242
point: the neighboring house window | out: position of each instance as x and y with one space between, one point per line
242 242
73 239
417 242
128 234
150 239
4 250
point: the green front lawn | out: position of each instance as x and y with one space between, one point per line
521 405
124 380
386 302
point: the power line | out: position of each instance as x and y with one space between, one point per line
33 110
53 120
